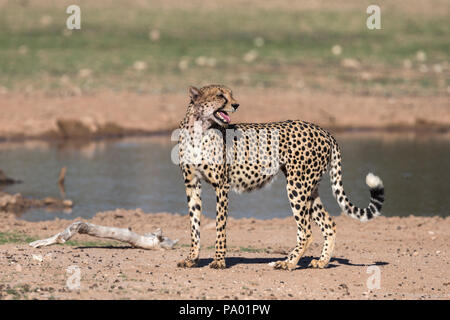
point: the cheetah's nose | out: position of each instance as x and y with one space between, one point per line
235 106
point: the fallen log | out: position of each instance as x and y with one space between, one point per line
16 203
147 241
5 180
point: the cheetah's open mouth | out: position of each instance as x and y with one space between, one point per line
222 116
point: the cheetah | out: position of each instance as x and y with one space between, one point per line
247 156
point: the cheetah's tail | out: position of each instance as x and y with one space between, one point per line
374 182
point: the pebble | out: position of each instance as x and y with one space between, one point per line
336 50
421 56
37 257
140 65
350 63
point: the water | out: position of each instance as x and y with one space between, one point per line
138 173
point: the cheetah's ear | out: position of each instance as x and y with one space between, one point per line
193 93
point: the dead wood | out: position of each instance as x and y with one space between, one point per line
148 241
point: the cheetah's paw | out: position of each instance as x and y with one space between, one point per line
187 263
218 264
284 265
320 264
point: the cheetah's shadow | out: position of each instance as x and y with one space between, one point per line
302 264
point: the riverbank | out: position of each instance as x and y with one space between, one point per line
111 114
409 254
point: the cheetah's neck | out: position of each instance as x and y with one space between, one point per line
193 116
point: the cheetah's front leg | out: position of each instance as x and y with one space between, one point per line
193 192
221 222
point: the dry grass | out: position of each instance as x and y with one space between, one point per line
163 46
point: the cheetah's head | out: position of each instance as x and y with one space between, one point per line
213 104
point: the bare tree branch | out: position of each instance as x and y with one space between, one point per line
147 241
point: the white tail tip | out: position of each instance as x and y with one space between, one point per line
373 181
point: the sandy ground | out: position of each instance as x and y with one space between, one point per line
118 114
410 255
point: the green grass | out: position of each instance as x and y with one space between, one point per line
18 292
19 238
15 237
252 250
113 39
14 293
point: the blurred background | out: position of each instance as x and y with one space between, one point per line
161 45
67 95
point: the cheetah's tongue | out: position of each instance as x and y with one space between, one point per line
225 116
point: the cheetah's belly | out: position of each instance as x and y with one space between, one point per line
250 177
254 160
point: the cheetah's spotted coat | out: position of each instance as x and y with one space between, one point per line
250 158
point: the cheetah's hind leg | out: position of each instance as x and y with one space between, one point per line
328 228
302 214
